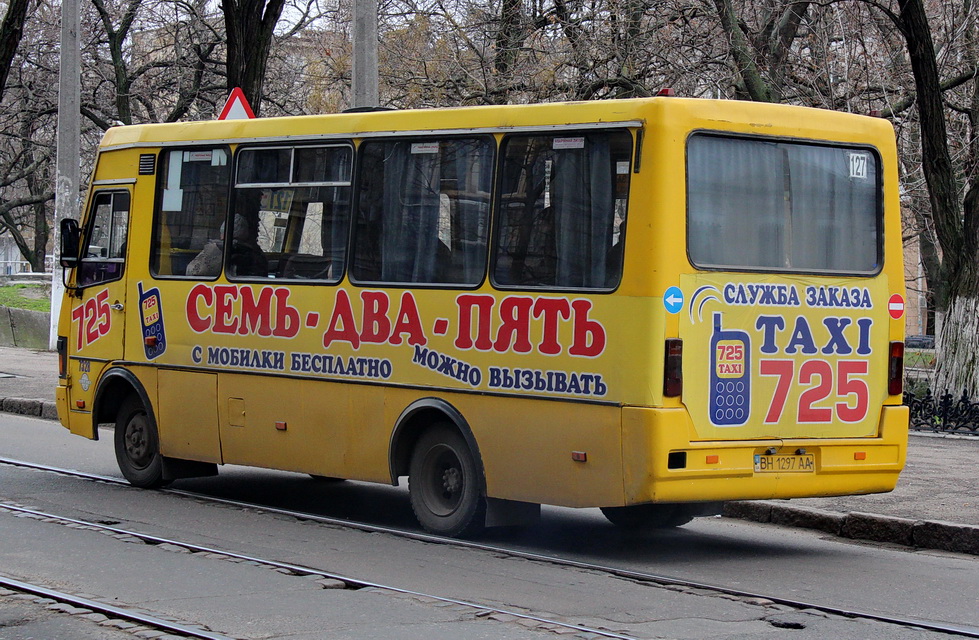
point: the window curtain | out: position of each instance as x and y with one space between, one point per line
833 215
736 203
470 167
410 212
334 230
583 213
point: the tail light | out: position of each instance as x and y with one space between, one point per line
673 372
895 369
62 357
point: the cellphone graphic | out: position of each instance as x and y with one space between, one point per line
730 389
151 313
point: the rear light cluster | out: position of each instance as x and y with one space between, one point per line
62 357
895 369
673 372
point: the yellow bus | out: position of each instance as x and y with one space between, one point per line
648 306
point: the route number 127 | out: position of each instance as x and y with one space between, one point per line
830 392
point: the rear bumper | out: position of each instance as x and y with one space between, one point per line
78 421
724 470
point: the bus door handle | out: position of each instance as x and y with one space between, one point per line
116 306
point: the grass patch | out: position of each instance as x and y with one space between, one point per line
26 296
919 358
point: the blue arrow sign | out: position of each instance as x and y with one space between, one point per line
673 299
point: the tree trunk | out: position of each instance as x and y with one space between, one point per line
42 230
116 38
957 345
509 38
11 31
250 26
754 83
955 224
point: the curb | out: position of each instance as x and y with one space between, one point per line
28 407
921 534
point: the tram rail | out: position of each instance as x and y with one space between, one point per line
358 583
114 611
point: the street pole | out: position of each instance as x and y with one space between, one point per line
68 148
364 73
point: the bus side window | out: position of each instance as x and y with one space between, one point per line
104 256
291 212
192 203
423 211
562 210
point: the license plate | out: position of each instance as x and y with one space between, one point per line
804 463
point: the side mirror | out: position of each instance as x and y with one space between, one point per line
70 239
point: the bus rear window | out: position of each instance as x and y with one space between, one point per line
764 205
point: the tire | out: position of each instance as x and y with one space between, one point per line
445 484
649 516
138 445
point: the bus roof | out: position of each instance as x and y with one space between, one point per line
726 115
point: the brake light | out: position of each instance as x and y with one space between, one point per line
895 369
673 371
62 346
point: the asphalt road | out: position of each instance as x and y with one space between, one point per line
257 603
940 481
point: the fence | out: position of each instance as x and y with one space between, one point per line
12 267
943 414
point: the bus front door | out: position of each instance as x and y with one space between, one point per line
98 328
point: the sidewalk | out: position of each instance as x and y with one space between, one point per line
27 381
935 504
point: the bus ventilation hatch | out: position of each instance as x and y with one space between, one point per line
147 164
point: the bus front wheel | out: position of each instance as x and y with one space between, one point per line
649 516
445 484
138 445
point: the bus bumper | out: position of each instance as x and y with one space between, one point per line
663 463
78 421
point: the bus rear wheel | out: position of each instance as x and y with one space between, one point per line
649 516
137 445
445 484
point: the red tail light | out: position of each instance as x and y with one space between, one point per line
673 372
895 369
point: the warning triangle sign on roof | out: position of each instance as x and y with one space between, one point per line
237 107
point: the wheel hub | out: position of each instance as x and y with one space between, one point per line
137 445
452 480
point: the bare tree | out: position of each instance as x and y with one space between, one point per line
149 61
954 199
11 31
27 138
250 27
